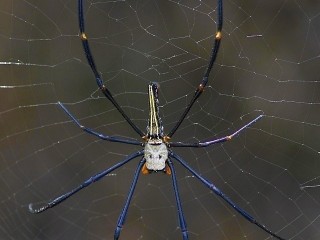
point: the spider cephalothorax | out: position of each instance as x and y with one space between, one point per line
156 156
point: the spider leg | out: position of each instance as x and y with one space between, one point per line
183 225
85 184
218 192
99 135
124 211
214 141
204 80
97 75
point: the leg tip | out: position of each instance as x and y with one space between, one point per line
117 233
185 235
61 105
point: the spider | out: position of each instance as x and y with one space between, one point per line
157 154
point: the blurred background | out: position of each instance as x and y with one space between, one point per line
268 64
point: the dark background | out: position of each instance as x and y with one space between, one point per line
268 64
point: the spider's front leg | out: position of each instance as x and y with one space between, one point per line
157 159
83 185
219 193
124 211
182 221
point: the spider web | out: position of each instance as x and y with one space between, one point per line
268 64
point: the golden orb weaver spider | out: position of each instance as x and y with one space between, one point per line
157 153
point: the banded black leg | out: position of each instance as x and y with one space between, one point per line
214 141
124 211
218 192
204 80
183 225
90 59
85 184
99 135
